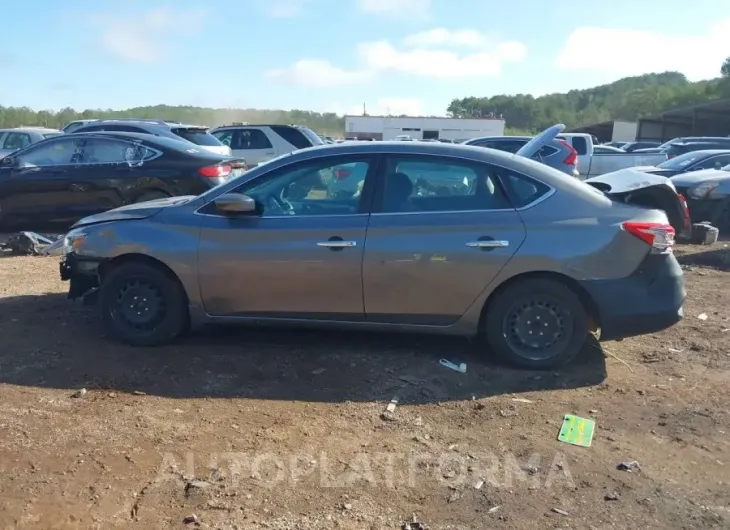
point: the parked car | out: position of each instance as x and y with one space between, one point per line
692 161
509 257
63 179
557 154
607 150
73 125
19 137
591 164
630 147
708 195
259 143
195 134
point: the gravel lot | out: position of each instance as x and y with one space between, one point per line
279 429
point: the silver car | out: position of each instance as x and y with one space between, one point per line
557 153
501 247
13 139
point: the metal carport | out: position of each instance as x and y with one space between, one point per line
705 119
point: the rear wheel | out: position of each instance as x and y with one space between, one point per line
151 196
142 305
536 324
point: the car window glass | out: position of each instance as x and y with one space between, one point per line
424 184
713 162
15 140
251 139
510 146
293 136
224 137
579 144
55 152
105 151
523 190
326 187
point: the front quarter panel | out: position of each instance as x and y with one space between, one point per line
171 238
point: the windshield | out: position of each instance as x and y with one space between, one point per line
311 135
680 162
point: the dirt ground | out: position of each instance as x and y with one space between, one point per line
281 429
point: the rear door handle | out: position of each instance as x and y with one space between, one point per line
337 244
492 243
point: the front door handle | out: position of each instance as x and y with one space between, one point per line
76 187
488 243
337 244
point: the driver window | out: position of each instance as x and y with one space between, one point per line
56 153
324 188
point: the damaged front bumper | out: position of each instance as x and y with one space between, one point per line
82 275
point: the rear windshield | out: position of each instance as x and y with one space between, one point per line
197 136
52 134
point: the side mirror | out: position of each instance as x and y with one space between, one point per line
235 203
9 161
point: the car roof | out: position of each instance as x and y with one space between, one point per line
239 125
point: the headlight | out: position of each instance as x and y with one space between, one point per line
703 190
73 240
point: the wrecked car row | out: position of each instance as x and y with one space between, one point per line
512 252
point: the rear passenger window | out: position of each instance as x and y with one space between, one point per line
250 139
580 145
293 136
425 184
523 190
510 146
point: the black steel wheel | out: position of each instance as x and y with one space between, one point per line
142 304
536 323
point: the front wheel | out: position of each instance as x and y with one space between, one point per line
142 305
536 324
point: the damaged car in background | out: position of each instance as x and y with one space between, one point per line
60 180
513 252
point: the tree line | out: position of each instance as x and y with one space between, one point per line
626 99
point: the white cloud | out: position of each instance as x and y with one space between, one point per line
444 64
144 37
399 9
634 52
446 37
283 8
417 58
318 73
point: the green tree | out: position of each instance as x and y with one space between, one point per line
725 69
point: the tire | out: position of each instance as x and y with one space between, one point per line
519 309
151 196
156 291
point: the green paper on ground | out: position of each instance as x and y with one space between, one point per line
577 431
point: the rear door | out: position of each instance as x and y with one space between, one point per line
38 190
108 172
433 246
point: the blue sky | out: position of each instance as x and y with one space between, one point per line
398 56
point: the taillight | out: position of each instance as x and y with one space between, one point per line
572 159
659 236
215 171
341 174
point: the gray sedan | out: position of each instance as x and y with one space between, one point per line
439 238
13 139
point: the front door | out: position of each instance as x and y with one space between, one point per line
441 230
300 257
36 190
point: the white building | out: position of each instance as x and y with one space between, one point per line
421 128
